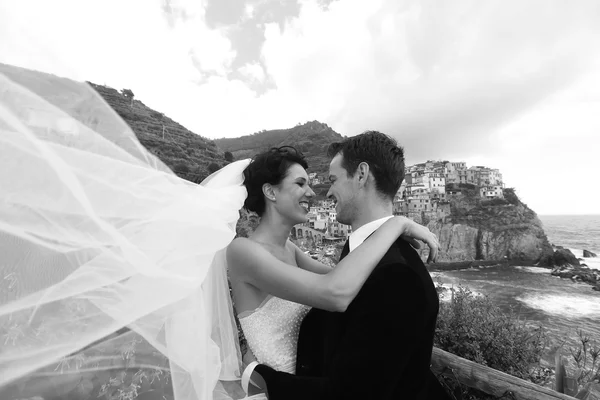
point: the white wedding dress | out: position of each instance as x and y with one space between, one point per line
272 330
98 235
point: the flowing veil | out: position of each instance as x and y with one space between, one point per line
112 271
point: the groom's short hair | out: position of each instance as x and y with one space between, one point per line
381 152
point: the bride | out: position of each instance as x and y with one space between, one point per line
112 267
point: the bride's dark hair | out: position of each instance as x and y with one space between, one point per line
271 167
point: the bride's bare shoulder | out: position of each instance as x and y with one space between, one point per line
239 250
240 244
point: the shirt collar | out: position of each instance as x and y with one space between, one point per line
361 234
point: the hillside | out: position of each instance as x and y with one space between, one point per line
185 152
312 138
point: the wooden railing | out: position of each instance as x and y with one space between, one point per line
489 380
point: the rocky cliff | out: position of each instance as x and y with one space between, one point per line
491 230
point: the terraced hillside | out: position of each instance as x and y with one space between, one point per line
188 154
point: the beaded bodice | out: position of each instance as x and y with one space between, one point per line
272 332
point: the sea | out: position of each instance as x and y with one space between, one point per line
560 305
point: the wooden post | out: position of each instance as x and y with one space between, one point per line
560 372
563 383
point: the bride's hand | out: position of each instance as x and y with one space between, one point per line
412 232
248 358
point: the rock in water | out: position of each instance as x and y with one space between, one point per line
563 257
589 254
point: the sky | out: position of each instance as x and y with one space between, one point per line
509 85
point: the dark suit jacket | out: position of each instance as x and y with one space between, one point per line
379 348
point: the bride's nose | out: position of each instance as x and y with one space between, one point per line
310 192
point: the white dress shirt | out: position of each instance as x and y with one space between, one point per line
362 233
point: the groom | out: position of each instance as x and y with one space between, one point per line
380 347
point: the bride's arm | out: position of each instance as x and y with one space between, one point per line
333 291
411 233
307 263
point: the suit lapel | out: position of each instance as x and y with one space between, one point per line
345 250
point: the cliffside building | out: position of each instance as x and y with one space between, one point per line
491 192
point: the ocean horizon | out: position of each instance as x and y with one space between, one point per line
580 232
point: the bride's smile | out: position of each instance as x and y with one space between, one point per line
292 196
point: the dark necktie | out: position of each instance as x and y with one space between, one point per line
345 250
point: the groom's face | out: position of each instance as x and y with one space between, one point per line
343 190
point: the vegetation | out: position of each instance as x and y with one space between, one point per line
586 356
511 197
128 94
493 202
472 327
185 152
311 138
168 140
181 168
213 167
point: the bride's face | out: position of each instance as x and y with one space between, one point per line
292 195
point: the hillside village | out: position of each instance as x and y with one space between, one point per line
424 193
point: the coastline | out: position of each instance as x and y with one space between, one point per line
580 269
458 265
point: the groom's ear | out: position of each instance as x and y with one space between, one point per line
268 191
362 173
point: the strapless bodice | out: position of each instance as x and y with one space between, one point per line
272 332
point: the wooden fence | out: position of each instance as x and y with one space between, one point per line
489 380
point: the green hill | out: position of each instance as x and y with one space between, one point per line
312 138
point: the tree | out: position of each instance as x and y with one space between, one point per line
128 94
213 167
228 156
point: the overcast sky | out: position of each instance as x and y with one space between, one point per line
513 85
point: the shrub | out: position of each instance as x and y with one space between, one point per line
587 359
228 156
181 169
511 196
213 167
494 202
473 327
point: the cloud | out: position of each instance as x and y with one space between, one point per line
424 72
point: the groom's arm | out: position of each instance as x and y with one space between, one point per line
375 349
